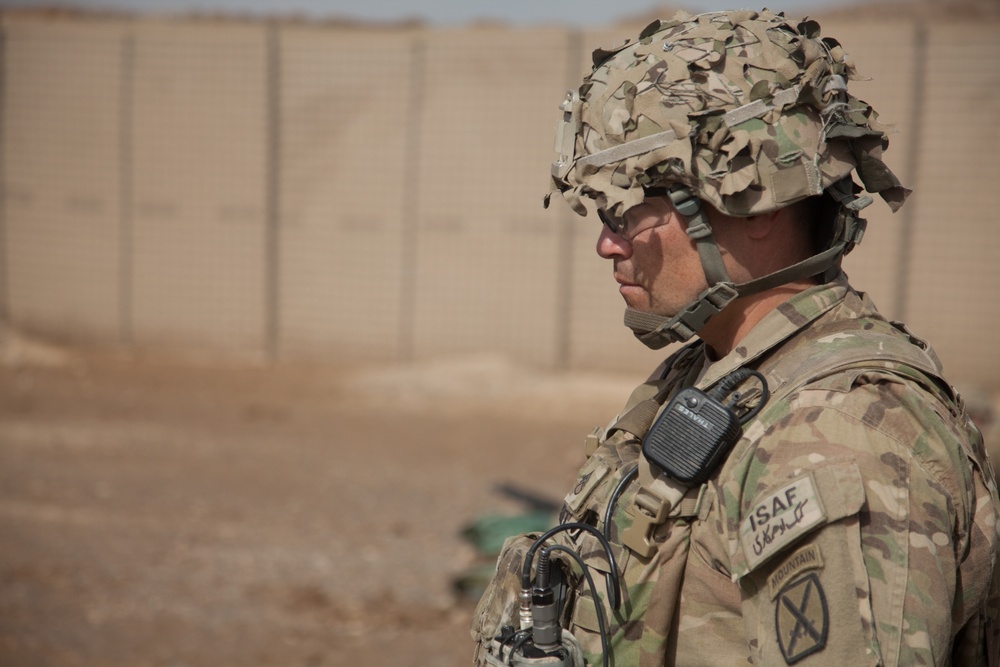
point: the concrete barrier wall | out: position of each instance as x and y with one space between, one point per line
954 267
344 123
302 191
61 178
485 275
198 162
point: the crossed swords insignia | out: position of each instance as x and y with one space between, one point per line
801 618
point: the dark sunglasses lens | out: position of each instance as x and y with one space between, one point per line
616 225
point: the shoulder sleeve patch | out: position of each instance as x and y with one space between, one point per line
802 619
805 559
595 470
780 518
784 514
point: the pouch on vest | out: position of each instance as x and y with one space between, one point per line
498 606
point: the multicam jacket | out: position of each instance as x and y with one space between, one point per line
854 523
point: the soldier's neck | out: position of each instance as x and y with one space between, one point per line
725 331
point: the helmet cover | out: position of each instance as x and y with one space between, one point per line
748 110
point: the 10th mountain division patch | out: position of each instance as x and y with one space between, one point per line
802 618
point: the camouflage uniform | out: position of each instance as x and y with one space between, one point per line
856 519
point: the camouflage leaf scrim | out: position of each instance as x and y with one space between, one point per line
748 109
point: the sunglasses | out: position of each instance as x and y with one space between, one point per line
619 226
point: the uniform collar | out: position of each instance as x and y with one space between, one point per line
778 326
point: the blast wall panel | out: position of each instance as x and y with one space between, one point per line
199 144
487 253
956 243
346 114
60 178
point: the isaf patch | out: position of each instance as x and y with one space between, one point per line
802 618
779 519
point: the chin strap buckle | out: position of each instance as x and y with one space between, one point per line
709 303
656 331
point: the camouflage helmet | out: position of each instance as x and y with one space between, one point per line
741 109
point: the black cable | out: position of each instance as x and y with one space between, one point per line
612 501
506 640
614 587
728 383
626 478
602 621
765 395
525 635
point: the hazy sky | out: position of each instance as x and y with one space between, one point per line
436 12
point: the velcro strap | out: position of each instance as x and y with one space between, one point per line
755 109
638 420
758 108
628 149
811 266
689 506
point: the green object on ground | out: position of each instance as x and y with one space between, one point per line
487 533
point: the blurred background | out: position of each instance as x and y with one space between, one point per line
279 303
322 188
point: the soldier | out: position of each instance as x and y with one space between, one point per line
853 519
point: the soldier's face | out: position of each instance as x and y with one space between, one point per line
656 264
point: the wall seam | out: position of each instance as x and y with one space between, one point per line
907 233
272 190
126 204
410 214
4 259
566 244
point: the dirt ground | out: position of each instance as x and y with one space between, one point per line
172 513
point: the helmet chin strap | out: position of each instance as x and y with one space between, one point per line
656 331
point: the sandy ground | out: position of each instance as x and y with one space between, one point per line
183 514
